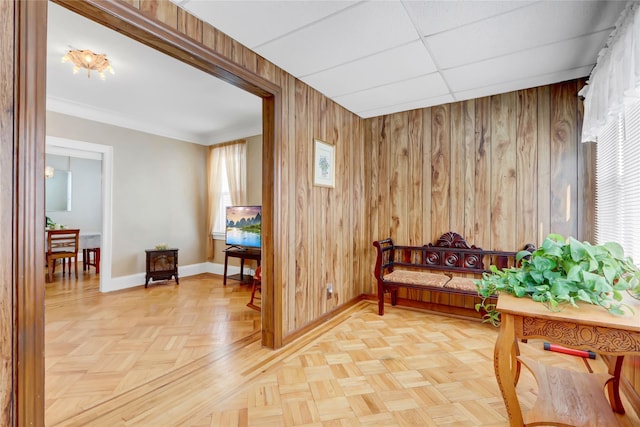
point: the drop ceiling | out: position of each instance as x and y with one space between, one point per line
372 57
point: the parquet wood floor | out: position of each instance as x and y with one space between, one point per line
190 355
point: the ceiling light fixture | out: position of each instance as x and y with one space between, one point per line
88 60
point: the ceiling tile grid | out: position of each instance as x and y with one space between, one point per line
372 56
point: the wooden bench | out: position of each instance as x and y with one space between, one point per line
450 266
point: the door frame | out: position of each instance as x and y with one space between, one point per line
74 148
25 405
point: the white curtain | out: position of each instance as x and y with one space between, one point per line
615 80
214 172
233 157
236 162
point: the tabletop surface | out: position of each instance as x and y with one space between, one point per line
586 314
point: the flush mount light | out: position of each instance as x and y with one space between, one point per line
88 60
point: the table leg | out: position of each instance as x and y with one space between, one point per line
241 270
507 369
613 386
224 276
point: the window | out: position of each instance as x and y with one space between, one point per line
226 184
225 200
618 181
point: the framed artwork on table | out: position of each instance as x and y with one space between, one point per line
324 164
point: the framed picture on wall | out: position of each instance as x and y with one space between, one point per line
324 164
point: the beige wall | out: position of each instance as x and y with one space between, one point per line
254 170
159 189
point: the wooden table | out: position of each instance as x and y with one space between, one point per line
589 327
255 254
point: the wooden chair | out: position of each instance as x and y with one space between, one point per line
62 244
91 257
257 287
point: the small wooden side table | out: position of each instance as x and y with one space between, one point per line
162 264
566 397
254 254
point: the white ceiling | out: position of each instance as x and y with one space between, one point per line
149 91
372 57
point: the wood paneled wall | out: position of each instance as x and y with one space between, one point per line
502 171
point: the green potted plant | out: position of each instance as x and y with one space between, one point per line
563 272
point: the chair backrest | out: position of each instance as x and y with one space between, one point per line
63 241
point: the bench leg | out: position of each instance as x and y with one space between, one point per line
380 299
394 296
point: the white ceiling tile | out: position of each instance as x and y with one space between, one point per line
537 25
432 17
357 32
396 93
422 103
519 84
255 22
404 62
565 55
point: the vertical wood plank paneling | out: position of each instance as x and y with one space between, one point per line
7 324
564 192
304 224
190 25
586 179
469 169
267 69
372 191
163 11
456 178
457 168
544 163
399 177
427 234
384 179
209 36
527 164
415 218
289 219
134 3
362 242
440 166
482 233
503 177
341 214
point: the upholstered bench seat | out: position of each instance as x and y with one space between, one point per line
462 284
417 278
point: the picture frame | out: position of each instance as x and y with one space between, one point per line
324 170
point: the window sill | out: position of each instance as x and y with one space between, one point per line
218 236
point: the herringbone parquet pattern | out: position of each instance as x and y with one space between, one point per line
186 355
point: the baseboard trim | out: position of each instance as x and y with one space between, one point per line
321 320
138 279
